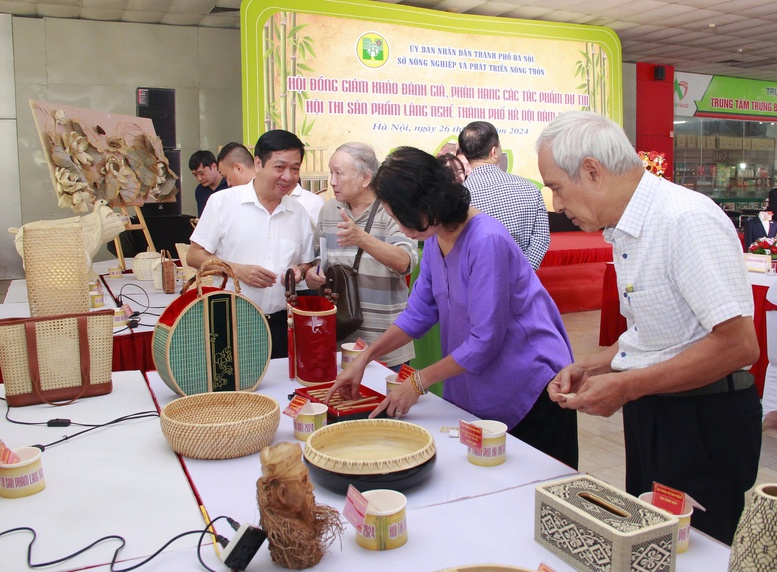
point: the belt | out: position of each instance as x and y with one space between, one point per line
276 316
732 382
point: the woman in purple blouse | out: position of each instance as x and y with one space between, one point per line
501 334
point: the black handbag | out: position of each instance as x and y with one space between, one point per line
342 281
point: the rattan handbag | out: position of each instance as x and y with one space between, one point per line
56 358
211 339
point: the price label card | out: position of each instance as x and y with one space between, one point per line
545 568
127 310
404 372
360 344
7 456
470 435
355 507
297 403
758 262
669 499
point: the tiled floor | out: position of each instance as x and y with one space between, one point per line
601 439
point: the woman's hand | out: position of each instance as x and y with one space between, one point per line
398 402
349 380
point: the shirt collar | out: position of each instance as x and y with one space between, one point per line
633 218
247 194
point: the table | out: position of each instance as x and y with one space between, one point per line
463 514
612 324
123 480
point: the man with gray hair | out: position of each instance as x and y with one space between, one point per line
388 257
691 414
512 200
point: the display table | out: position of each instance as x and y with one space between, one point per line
125 480
612 324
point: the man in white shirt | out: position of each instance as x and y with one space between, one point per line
691 414
261 232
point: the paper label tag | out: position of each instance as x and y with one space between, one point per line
404 372
127 310
360 344
355 507
297 403
669 499
7 456
470 435
545 568
758 262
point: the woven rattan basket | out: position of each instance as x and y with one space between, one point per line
55 264
220 425
368 446
143 264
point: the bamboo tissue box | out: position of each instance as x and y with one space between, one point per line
595 527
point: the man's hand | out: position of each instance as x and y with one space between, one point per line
602 395
255 276
349 233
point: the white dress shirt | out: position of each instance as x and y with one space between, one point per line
236 227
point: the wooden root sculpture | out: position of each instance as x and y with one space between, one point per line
299 531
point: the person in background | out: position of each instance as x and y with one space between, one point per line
691 414
388 255
203 166
453 163
502 336
512 200
236 164
261 232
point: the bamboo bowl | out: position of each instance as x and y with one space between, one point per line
221 425
370 454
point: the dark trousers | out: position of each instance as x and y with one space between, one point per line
279 333
550 429
707 446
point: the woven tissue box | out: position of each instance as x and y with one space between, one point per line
594 526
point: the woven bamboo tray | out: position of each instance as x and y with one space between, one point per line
487 568
370 453
221 425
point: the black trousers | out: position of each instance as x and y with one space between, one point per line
550 429
707 446
279 333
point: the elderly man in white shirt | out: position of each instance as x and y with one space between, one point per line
691 414
261 232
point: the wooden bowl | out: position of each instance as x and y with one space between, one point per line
221 425
370 454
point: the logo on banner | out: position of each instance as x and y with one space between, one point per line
372 50
681 89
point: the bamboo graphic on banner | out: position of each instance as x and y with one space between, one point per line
286 52
592 69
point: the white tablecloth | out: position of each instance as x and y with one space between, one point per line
123 479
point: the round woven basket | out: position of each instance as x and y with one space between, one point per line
220 425
368 446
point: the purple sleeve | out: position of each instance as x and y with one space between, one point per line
489 291
421 312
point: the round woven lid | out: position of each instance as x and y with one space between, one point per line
369 446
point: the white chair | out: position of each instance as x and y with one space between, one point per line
769 399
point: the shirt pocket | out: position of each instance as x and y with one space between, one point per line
661 319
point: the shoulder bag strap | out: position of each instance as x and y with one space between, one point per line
367 228
83 350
